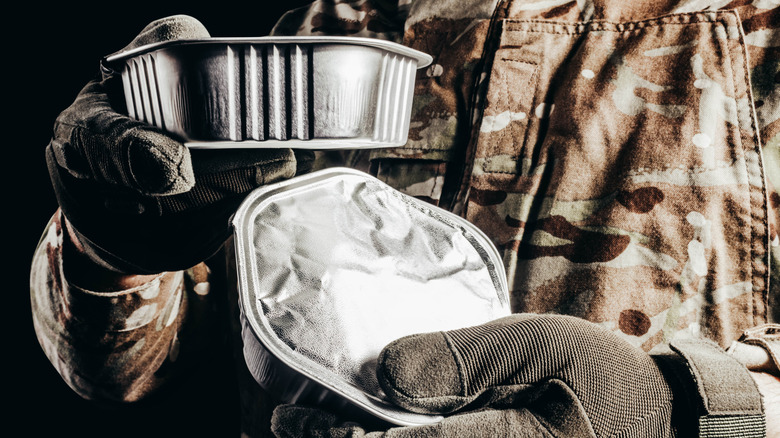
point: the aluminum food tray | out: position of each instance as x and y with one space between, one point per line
334 265
297 92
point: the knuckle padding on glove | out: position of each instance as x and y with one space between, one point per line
92 141
619 386
135 156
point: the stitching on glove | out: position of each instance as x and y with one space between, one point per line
459 362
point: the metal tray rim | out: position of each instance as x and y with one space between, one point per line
423 59
295 143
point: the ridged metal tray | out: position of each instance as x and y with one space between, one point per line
298 92
334 265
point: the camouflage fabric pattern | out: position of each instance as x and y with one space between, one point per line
115 346
634 199
360 18
439 126
626 185
615 159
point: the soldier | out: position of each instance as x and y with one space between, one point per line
623 158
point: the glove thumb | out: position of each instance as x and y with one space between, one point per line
175 27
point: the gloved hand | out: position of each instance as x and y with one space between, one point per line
523 375
139 200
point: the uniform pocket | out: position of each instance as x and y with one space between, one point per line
618 167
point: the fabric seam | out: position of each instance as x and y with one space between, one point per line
458 362
532 79
620 26
755 219
764 194
735 141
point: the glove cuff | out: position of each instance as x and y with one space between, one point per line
128 233
714 393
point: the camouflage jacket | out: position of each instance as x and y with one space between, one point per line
622 157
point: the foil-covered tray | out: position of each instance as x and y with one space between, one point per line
297 92
334 265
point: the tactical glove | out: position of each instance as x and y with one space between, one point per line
139 200
522 376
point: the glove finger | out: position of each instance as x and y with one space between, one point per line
445 371
92 141
231 173
514 423
301 422
212 161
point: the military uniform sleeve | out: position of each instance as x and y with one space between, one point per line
116 345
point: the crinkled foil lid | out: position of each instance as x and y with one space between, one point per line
342 264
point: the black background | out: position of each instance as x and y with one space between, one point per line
54 50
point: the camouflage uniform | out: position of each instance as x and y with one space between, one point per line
624 165
623 158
